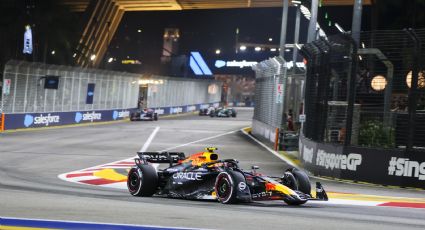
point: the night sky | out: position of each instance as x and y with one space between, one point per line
208 30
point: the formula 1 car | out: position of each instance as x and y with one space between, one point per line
224 112
206 112
202 176
143 115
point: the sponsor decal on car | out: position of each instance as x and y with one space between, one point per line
261 194
242 186
403 167
187 176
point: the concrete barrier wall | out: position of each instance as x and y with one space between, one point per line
395 167
263 130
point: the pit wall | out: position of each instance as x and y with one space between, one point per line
378 166
42 120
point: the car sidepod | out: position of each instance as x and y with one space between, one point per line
196 185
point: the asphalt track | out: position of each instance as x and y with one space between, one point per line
31 161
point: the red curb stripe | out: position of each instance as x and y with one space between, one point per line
100 181
403 204
79 175
95 169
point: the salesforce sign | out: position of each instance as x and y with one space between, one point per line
37 120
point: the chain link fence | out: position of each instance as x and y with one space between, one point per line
182 92
373 96
278 96
27 93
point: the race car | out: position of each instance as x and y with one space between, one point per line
207 111
143 115
203 176
224 112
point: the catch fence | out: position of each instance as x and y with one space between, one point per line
27 92
366 96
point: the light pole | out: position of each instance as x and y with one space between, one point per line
283 29
357 21
313 21
297 32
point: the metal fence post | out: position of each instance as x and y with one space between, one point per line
313 21
310 70
323 84
413 89
351 91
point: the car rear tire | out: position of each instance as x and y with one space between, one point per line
142 181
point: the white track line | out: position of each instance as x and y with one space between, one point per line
200 140
283 158
148 142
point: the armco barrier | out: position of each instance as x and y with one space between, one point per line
385 167
39 120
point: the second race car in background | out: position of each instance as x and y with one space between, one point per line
224 112
207 111
143 115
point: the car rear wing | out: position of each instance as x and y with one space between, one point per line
161 157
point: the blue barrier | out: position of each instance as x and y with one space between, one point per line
39 120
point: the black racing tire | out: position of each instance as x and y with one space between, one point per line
226 186
290 181
155 117
142 181
303 181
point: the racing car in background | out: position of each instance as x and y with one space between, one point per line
203 176
143 115
224 112
207 111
